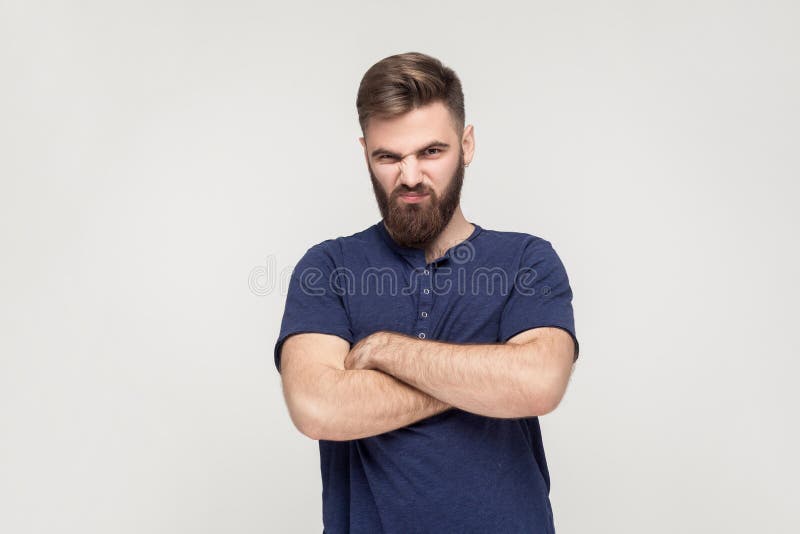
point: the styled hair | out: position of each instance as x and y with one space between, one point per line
403 82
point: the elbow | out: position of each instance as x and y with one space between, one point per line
317 416
306 415
545 395
547 403
310 429
539 404
319 428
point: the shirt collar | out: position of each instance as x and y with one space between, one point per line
418 253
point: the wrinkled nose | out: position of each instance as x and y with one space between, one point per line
410 173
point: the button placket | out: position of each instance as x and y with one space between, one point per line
422 326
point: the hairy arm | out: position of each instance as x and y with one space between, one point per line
328 402
524 377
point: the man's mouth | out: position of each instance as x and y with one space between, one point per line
413 197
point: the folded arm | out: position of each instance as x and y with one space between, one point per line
524 377
327 402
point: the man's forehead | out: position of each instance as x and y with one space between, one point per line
411 130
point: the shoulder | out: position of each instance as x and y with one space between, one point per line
524 246
508 237
330 253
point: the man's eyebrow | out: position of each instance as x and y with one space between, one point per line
433 144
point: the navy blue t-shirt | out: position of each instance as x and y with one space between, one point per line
455 471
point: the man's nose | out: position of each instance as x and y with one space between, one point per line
410 172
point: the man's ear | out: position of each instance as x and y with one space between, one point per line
364 145
468 143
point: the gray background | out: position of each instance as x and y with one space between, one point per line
165 164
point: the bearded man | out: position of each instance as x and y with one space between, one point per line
421 351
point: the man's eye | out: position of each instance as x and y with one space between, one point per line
428 151
385 156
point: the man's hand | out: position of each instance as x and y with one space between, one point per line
366 353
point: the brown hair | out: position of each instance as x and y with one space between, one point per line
400 83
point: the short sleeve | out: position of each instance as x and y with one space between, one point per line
540 295
313 302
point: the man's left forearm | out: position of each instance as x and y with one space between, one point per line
495 380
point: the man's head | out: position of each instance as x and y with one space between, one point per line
411 112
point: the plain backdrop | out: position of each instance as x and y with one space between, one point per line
165 164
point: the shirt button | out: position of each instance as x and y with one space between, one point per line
425 271
424 314
421 335
426 290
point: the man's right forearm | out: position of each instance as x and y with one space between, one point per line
356 404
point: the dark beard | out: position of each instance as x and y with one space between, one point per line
418 225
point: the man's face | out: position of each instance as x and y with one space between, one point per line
416 164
